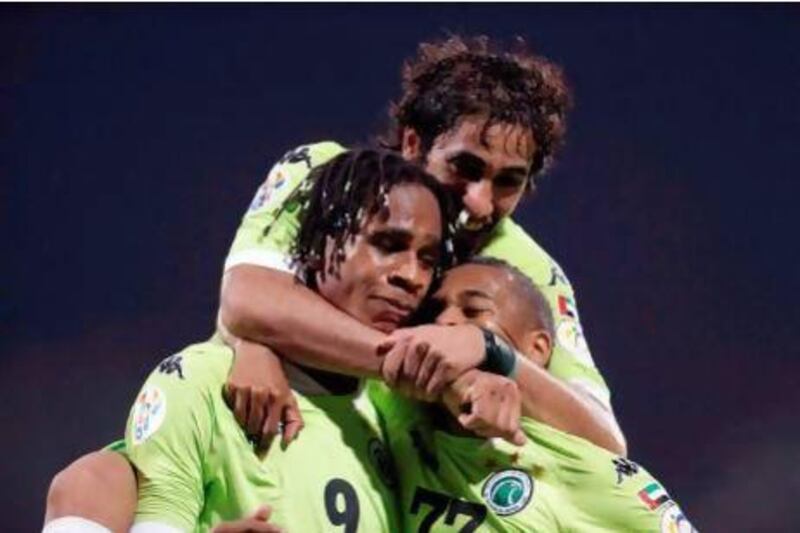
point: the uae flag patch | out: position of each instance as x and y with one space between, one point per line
653 496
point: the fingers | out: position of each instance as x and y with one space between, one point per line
519 438
426 369
240 400
262 513
413 360
255 416
393 361
440 377
292 422
270 426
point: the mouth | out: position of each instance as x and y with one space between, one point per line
392 310
467 222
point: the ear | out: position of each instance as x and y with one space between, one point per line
539 347
411 146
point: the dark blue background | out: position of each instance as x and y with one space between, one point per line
133 138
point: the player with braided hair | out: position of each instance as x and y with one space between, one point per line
373 235
485 123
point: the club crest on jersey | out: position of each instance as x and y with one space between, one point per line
674 521
149 412
508 492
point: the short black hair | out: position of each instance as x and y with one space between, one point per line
541 312
462 76
340 195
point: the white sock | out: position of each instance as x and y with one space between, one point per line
74 524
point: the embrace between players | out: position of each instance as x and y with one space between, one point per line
420 356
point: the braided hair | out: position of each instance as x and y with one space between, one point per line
340 196
471 76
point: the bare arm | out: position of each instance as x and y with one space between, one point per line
564 407
269 307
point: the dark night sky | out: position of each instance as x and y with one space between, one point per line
134 136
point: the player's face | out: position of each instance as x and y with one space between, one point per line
489 173
389 265
481 295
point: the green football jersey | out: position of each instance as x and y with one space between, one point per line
555 482
270 226
198 468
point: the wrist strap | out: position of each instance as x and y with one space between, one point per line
500 357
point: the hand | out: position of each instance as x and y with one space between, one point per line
486 404
256 523
430 357
260 396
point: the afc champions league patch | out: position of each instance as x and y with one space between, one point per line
275 181
570 335
569 332
508 491
674 521
149 412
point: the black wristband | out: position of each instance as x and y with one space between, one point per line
500 357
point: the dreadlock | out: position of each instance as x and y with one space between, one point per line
472 76
341 195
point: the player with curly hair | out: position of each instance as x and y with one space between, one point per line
484 122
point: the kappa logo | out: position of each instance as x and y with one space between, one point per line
624 468
298 155
674 521
508 492
171 365
148 414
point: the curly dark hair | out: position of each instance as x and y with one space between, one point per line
341 195
474 76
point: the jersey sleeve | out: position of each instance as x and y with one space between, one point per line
168 435
603 491
271 223
571 360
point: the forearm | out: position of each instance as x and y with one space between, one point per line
271 308
548 400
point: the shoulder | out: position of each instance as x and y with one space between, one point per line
512 244
183 387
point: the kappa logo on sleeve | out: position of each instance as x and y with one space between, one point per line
624 468
298 155
149 412
172 365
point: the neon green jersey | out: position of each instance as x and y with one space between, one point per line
197 467
555 482
271 224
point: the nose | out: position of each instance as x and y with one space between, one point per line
409 276
450 316
478 199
